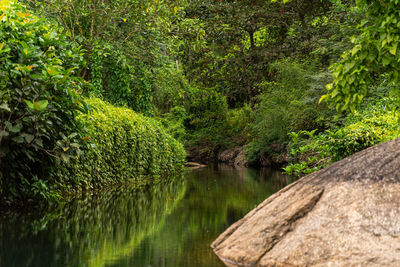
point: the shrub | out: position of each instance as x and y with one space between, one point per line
206 125
374 124
239 121
125 146
118 80
174 120
39 99
288 104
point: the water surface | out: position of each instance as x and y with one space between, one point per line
169 224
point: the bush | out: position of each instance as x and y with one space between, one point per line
39 99
288 104
239 121
206 126
125 146
173 122
374 124
206 123
118 80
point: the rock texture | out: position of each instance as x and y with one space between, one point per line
235 157
228 156
345 215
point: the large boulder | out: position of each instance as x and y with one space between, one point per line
345 215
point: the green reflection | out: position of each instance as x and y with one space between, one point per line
214 199
90 231
169 224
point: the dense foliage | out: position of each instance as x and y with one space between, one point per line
243 37
124 146
270 56
39 99
214 74
126 44
45 147
288 104
375 123
374 54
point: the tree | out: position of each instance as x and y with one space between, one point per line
124 41
375 53
243 38
39 100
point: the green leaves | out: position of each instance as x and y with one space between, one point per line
37 106
5 107
355 49
126 145
4 48
375 52
243 38
124 39
371 125
393 49
53 70
14 128
348 66
39 99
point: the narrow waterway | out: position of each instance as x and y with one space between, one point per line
170 224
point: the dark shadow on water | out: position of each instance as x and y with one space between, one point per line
170 224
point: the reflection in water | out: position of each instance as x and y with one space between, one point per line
170 224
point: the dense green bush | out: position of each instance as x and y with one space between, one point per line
39 99
124 146
288 104
239 125
119 81
174 121
130 46
49 142
206 125
375 123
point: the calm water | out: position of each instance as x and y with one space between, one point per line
169 224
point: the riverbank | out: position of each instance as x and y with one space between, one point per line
122 147
236 157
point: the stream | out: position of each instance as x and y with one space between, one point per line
169 224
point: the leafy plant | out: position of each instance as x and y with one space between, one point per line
118 81
126 43
373 124
374 53
174 122
39 100
286 105
207 128
124 146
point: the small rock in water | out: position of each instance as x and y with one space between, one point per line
194 165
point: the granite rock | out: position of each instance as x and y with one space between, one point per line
345 215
